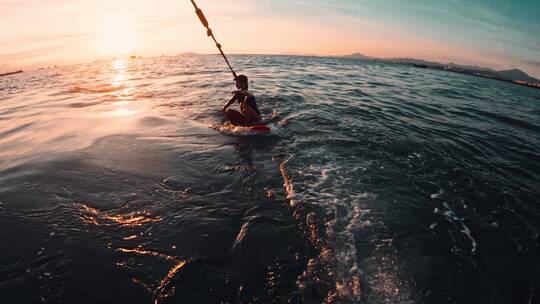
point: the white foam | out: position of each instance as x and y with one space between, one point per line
438 194
245 131
451 216
328 187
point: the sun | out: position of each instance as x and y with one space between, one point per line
117 36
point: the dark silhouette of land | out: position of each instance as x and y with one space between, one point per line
11 73
357 56
514 75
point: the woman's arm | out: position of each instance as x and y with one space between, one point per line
233 99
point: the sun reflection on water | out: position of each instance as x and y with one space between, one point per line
142 251
95 217
120 70
119 80
162 292
120 64
121 109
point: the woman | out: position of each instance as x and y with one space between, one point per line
249 114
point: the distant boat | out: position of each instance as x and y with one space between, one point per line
133 57
11 73
418 65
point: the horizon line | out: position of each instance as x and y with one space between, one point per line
35 67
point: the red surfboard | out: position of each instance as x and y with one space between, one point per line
260 128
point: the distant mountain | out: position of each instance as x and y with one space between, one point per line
515 74
411 61
356 56
467 67
512 75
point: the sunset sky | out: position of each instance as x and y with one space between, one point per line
498 33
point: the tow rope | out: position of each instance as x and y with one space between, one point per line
209 32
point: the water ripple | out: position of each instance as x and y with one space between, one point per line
382 184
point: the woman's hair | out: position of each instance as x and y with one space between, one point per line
242 78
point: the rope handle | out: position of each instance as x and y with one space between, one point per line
209 32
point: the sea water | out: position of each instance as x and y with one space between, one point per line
382 184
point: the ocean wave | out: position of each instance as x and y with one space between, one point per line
377 184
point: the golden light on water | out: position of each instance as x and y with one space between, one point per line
117 36
121 111
119 80
95 217
141 251
119 69
120 66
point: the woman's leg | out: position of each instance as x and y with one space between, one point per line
235 117
250 116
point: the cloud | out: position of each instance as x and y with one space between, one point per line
532 62
48 38
22 55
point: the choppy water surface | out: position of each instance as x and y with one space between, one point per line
382 184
